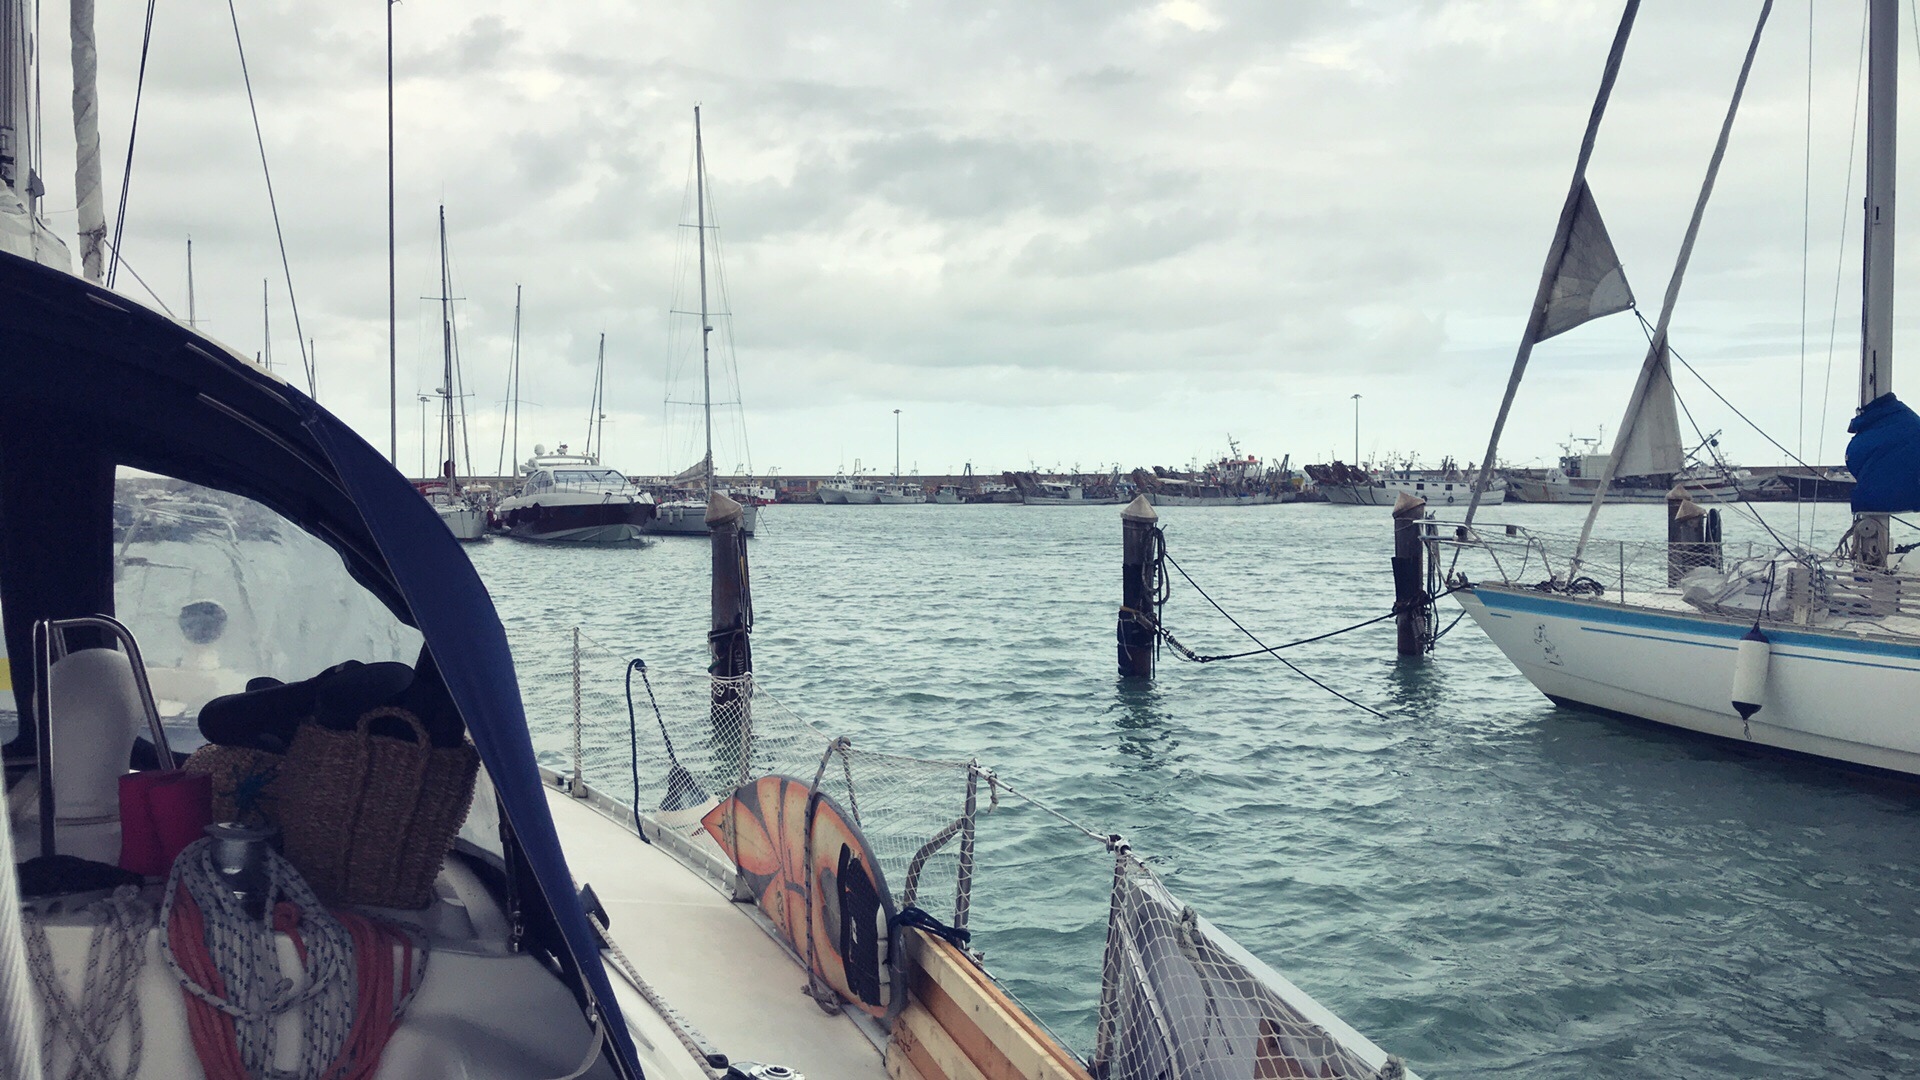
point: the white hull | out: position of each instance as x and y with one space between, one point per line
690 519
467 523
902 500
947 498
1840 696
1578 491
857 497
833 496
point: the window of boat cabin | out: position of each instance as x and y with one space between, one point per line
218 589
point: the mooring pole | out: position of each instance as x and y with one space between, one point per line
1686 534
1410 597
732 652
1139 589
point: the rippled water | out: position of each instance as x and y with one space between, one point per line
1482 882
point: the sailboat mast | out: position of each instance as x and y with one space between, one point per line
266 329
597 420
1876 309
446 345
706 370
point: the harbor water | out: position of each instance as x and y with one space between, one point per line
1482 882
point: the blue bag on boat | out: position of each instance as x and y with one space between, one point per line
1884 457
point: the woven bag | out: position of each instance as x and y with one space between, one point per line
368 819
245 782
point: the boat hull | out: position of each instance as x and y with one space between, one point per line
1388 492
1839 696
1534 490
614 521
690 519
466 523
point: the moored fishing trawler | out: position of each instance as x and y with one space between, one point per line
1235 479
1775 646
1448 485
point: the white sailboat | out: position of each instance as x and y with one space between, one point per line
1784 648
458 510
686 513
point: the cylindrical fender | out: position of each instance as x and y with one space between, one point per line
1750 673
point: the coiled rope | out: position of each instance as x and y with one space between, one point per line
228 966
116 954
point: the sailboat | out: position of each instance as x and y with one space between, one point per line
457 507
685 513
1782 648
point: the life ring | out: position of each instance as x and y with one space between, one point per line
1449 500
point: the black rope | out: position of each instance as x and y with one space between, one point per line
633 736
126 175
921 919
1263 645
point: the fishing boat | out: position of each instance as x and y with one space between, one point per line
460 511
1234 479
1774 647
1346 485
683 510
947 495
902 494
573 499
1577 478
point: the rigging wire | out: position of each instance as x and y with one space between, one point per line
142 281
126 175
299 335
1806 247
1840 268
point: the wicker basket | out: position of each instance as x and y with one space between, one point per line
245 782
368 819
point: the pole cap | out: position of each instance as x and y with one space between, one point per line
721 510
1407 505
1139 510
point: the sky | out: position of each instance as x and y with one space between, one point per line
1085 233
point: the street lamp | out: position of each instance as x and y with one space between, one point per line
1356 431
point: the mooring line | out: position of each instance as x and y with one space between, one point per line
1274 650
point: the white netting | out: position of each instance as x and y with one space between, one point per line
1181 1001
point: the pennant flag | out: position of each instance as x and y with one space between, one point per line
1590 281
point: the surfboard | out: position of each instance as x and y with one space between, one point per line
771 820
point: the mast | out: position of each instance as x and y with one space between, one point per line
706 372
446 345
393 309
86 136
1556 254
597 418
191 321
512 417
1876 309
266 329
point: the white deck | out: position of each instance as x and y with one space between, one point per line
706 955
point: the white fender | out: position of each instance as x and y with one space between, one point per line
1750 673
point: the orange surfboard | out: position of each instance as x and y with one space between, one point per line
770 821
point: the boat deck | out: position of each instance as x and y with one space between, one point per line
706 955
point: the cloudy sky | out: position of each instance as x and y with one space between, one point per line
1085 232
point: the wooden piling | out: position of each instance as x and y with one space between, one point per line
1139 588
1411 602
1689 544
729 644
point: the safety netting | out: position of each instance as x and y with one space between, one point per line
1179 1000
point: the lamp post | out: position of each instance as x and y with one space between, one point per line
1356 430
424 398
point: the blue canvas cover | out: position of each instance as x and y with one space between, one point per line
1884 457
101 381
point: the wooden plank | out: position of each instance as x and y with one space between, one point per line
907 1060
999 1038
932 1051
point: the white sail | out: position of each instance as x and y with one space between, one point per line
1649 441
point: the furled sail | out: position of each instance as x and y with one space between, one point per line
1649 442
694 473
1884 457
1589 281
